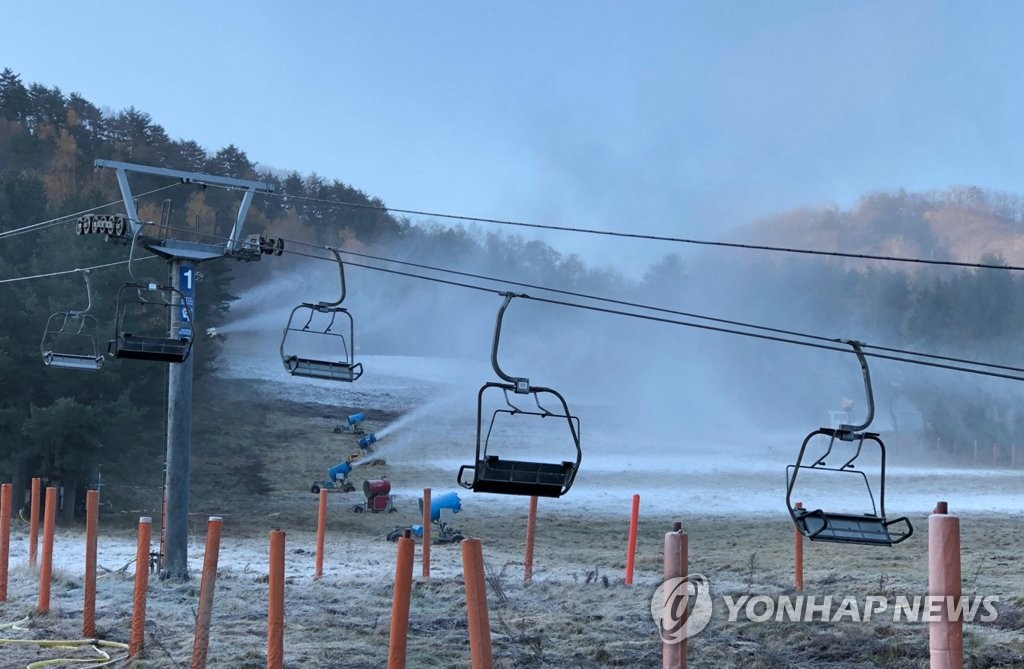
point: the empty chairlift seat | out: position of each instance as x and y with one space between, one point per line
69 340
312 330
142 305
838 470
318 332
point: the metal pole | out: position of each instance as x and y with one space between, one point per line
179 435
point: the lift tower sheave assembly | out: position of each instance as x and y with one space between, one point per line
182 257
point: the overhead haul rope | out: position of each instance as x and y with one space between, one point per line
648 307
67 218
825 341
817 341
72 271
643 236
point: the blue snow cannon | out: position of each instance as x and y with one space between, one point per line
336 481
339 471
367 441
449 500
353 424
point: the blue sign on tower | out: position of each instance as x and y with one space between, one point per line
186 284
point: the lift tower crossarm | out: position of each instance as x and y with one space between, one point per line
249 186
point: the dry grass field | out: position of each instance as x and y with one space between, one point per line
577 612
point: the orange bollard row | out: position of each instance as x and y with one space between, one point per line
531 531
321 530
138 630
634 522
945 636
5 537
33 523
92 517
798 554
477 617
398 639
46 565
426 533
275 604
201 644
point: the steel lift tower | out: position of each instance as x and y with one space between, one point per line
182 257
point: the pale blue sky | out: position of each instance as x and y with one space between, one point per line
680 118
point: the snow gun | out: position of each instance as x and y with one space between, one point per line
353 424
449 500
444 534
367 441
337 479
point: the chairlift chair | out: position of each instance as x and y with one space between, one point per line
494 474
149 298
68 341
343 369
869 528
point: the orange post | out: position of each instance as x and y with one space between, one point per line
321 530
163 520
5 537
945 636
531 531
477 617
634 521
275 609
673 651
92 518
798 554
46 565
33 523
397 641
426 533
209 583
138 630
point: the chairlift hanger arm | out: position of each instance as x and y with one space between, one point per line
341 271
867 387
521 384
88 294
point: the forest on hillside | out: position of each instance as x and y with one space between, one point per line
63 426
